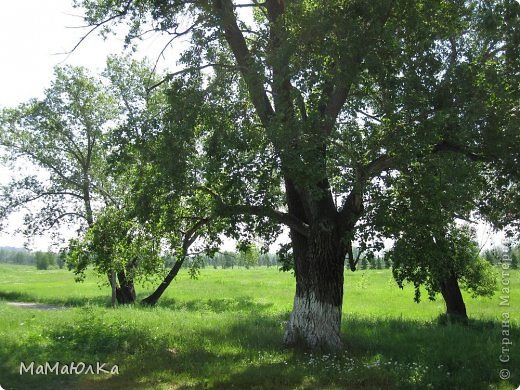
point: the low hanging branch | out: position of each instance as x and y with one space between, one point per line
262 211
226 210
254 79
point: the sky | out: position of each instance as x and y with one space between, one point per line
34 35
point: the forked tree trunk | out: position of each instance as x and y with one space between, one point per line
455 307
125 292
154 297
315 321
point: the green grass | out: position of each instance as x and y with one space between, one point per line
224 330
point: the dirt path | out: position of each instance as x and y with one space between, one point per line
32 305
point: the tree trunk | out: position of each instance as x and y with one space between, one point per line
154 297
315 321
125 292
113 285
455 307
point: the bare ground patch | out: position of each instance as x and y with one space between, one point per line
32 305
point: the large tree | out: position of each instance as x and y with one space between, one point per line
303 108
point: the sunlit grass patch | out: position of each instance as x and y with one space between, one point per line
221 332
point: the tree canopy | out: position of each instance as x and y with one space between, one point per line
340 120
303 113
62 140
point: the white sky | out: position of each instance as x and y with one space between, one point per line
32 33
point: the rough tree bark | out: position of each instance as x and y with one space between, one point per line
315 321
455 307
125 292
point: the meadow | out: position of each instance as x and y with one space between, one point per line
224 331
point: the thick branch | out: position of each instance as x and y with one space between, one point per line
353 206
447 146
373 117
192 234
262 211
170 76
189 237
336 95
378 165
279 62
335 103
246 64
300 102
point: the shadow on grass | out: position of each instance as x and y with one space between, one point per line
243 303
247 354
15 296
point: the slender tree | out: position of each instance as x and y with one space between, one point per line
62 135
60 141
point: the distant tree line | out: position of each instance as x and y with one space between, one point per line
228 259
495 255
254 258
42 260
17 256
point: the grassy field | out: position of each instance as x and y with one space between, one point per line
224 331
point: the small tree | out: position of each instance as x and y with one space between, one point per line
372 262
229 259
249 254
65 136
60 259
116 242
441 263
44 260
493 255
